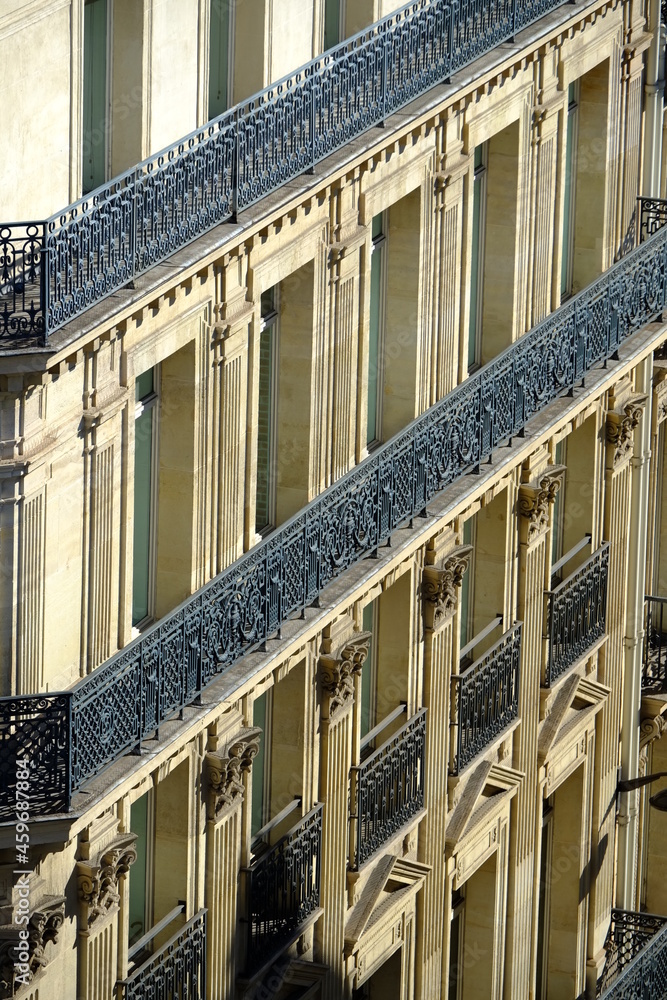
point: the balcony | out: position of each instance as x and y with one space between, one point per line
55 269
124 701
576 612
485 699
387 788
654 667
283 890
177 969
636 963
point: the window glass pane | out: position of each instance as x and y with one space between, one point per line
268 302
367 673
331 23
143 454
556 533
143 385
570 142
376 226
475 265
264 428
258 766
138 871
94 93
372 433
218 97
465 587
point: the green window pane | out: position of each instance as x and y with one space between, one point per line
218 80
556 533
376 226
372 433
138 872
94 93
143 385
258 766
465 588
367 673
264 429
331 23
143 455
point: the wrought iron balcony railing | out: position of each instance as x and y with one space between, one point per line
176 970
577 614
53 270
123 701
654 669
636 963
387 789
283 889
485 698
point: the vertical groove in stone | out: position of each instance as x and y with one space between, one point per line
430 910
541 290
100 961
31 597
224 859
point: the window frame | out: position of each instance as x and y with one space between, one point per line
467 589
264 768
569 190
106 119
269 321
149 402
477 252
378 253
229 85
149 874
543 928
558 511
341 25
454 977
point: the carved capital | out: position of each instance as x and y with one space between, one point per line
534 500
651 729
97 881
620 429
225 771
440 587
337 672
43 926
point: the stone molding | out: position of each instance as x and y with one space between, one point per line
43 926
535 498
440 585
225 771
97 881
620 429
337 671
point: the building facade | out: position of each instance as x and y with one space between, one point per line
332 446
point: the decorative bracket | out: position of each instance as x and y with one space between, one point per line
226 769
440 587
43 926
98 881
337 671
621 426
534 499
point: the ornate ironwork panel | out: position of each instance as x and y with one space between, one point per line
50 272
652 216
636 962
177 971
35 732
390 787
577 614
22 251
284 888
654 671
486 697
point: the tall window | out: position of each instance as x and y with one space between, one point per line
456 945
477 255
544 903
334 13
142 824
569 189
376 326
94 144
369 670
261 716
265 505
220 58
145 454
466 598
558 508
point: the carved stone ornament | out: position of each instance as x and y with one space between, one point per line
659 408
225 771
43 926
534 500
337 672
97 881
651 729
440 587
620 429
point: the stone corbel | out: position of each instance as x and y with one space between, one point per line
651 729
43 926
98 881
440 587
659 409
621 426
225 771
534 499
337 671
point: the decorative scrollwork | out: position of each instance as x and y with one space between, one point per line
440 587
620 430
98 881
226 769
577 614
43 926
337 672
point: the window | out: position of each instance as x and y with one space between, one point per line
265 504
145 477
558 508
477 256
569 189
369 670
94 145
220 58
141 823
466 598
334 15
544 902
456 945
376 327
261 716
